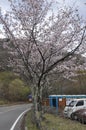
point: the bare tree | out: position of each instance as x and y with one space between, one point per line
39 39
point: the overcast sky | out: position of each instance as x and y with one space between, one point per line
81 4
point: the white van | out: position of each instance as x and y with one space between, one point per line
73 106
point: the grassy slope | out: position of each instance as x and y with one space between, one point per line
56 123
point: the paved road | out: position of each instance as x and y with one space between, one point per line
9 116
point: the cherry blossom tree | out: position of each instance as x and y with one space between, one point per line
41 41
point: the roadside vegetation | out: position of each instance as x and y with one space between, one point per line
12 88
55 122
2 102
28 122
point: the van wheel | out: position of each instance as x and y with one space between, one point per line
75 117
82 120
72 117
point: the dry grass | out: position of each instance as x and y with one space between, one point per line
53 122
60 123
28 122
3 102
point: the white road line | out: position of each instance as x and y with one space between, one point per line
13 126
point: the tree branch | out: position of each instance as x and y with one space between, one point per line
66 56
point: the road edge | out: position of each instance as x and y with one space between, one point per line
19 117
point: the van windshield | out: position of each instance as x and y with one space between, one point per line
72 103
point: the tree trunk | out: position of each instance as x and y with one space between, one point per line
37 108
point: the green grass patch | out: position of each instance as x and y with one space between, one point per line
53 122
59 123
28 122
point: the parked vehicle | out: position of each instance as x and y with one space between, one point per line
75 115
82 116
74 105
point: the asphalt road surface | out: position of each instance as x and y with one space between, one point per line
11 115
